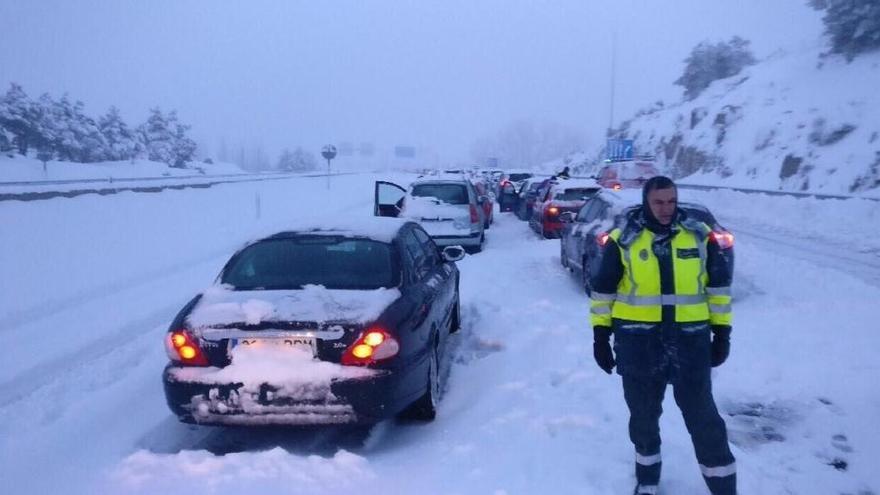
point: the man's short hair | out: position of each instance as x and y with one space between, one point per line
657 182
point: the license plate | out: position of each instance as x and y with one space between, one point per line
301 343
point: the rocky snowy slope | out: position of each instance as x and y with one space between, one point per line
794 121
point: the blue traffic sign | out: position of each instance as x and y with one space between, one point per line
619 149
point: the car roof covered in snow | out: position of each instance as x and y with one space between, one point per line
382 229
563 184
441 179
629 199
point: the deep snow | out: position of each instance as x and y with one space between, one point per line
95 280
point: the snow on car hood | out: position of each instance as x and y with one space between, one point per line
220 305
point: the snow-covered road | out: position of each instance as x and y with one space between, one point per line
95 280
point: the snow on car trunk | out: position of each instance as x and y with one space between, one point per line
436 217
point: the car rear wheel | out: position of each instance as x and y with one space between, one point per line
425 408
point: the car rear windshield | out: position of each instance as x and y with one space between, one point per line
518 177
454 194
638 171
291 263
578 194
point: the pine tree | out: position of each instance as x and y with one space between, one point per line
852 25
17 117
157 138
303 161
165 139
76 136
709 62
184 148
122 142
285 161
5 139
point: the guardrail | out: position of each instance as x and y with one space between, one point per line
110 180
38 195
704 187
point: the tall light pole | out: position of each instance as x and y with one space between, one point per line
613 71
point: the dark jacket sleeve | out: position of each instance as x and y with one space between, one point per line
606 279
719 265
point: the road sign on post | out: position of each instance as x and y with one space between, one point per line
329 153
619 149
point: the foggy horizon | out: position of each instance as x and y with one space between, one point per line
436 75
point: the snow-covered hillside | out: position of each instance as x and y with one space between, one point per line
794 121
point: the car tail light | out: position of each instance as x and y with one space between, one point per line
183 348
723 238
602 239
373 345
475 217
552 211
616 186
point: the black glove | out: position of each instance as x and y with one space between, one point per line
602 348
720 344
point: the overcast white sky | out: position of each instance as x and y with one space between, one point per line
430 73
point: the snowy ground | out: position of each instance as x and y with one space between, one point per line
93 282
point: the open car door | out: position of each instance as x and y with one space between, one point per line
388 199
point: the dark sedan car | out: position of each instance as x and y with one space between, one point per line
585 235
328 325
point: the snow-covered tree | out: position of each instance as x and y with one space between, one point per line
184 148
709 62
76 136
165 139
524 144
122 141
285 161
157 137
5 139
17 117
304 161
852 25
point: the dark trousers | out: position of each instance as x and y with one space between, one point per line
693 394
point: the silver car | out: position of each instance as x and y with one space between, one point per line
448 208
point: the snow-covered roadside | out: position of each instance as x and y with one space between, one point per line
841 228
23 169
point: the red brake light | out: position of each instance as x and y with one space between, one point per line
602 239
553 211
374 344
182 347
475 217
723 238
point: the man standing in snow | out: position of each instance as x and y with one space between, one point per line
663 286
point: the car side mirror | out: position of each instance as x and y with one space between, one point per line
453 253
567 216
